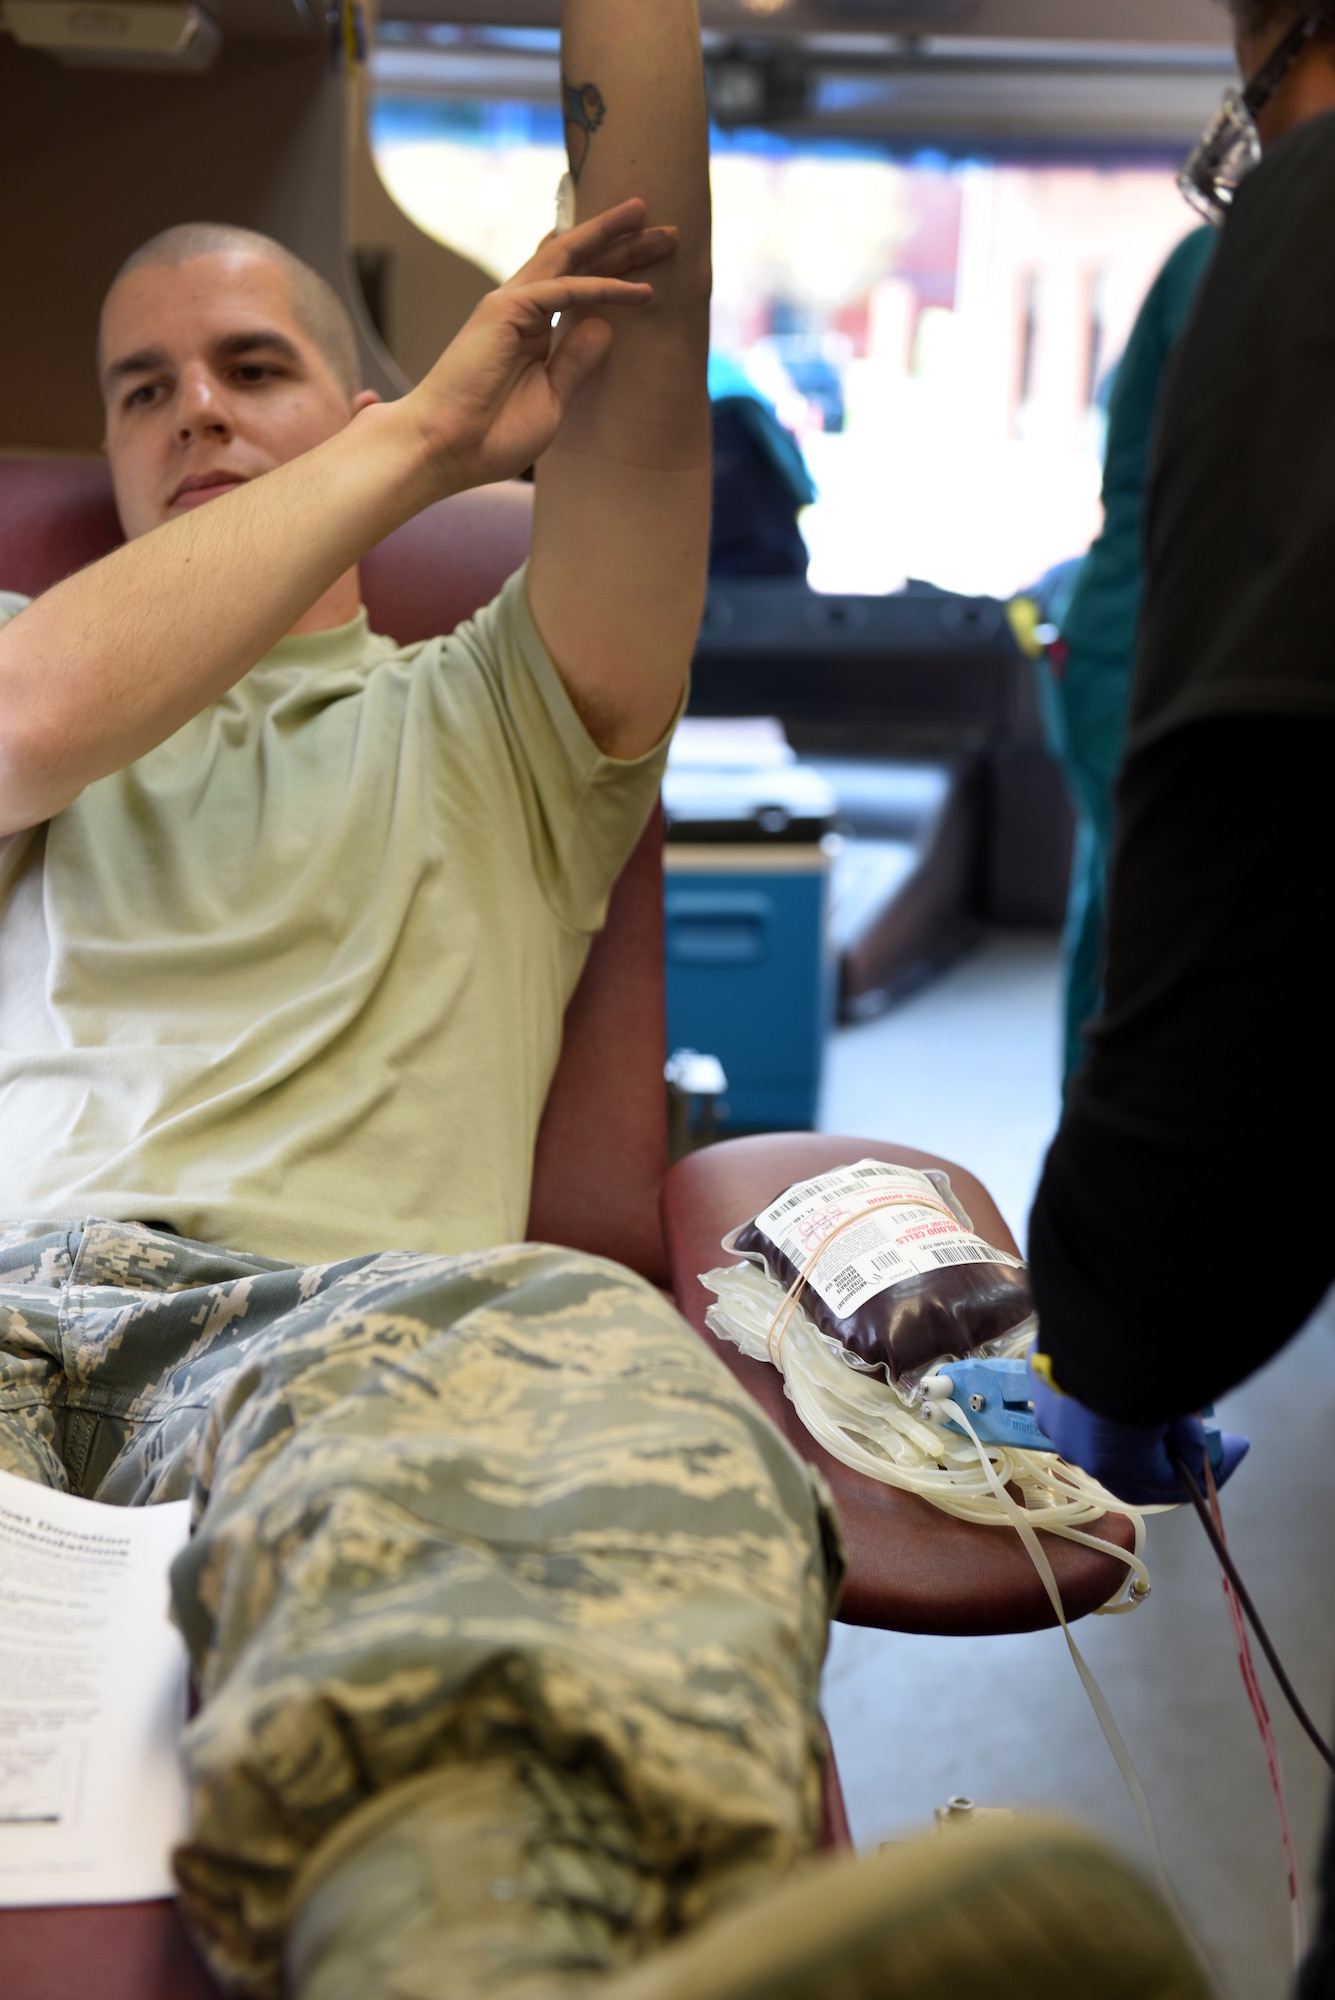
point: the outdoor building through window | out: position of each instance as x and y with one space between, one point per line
937 333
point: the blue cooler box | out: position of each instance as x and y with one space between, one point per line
750 978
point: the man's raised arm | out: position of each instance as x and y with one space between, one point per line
621 528
109 663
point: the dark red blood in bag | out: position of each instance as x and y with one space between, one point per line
919 1319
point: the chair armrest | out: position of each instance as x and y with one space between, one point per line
911 1567
115 1951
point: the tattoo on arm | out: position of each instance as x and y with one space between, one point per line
585 111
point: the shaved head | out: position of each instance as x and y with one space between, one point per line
315 304
222 356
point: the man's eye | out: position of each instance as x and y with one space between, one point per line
251 372
140 398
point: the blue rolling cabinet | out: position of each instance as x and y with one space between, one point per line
750 978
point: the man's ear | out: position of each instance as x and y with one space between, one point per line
364 399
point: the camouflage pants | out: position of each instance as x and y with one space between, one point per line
489 1521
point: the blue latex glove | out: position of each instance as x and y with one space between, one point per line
1131 1460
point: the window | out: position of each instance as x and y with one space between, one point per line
934 331
1031 293
1096 347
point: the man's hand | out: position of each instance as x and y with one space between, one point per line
1131 1460
497 397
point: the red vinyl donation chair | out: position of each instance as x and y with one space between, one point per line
601 1183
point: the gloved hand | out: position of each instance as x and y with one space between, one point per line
1131 1460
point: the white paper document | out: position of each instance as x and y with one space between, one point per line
92 1698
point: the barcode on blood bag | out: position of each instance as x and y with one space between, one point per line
793 1201
884 1259
961 1253
870 1173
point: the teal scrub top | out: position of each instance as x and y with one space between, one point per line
1102 618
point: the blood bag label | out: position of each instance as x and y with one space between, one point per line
893 1223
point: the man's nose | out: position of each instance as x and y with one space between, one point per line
200 409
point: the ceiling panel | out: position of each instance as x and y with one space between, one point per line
1199 22
958 86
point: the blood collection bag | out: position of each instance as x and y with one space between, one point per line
888 1265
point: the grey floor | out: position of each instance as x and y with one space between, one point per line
968 1069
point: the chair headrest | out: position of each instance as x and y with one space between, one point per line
58 514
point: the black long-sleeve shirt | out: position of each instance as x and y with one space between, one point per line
1183 1229
1185 1226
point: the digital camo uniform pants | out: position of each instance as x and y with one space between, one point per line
495 1530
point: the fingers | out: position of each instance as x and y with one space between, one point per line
546 297
578 356
586 238
631 253
636 252
1233 1449
563 251
616 240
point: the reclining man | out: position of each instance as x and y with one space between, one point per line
506 1606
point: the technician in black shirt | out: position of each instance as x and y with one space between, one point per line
1183 1229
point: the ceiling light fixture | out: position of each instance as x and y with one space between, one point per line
120 34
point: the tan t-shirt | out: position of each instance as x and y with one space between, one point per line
293 982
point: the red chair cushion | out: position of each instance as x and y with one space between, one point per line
602 1145
56 515
116 1951
442 566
